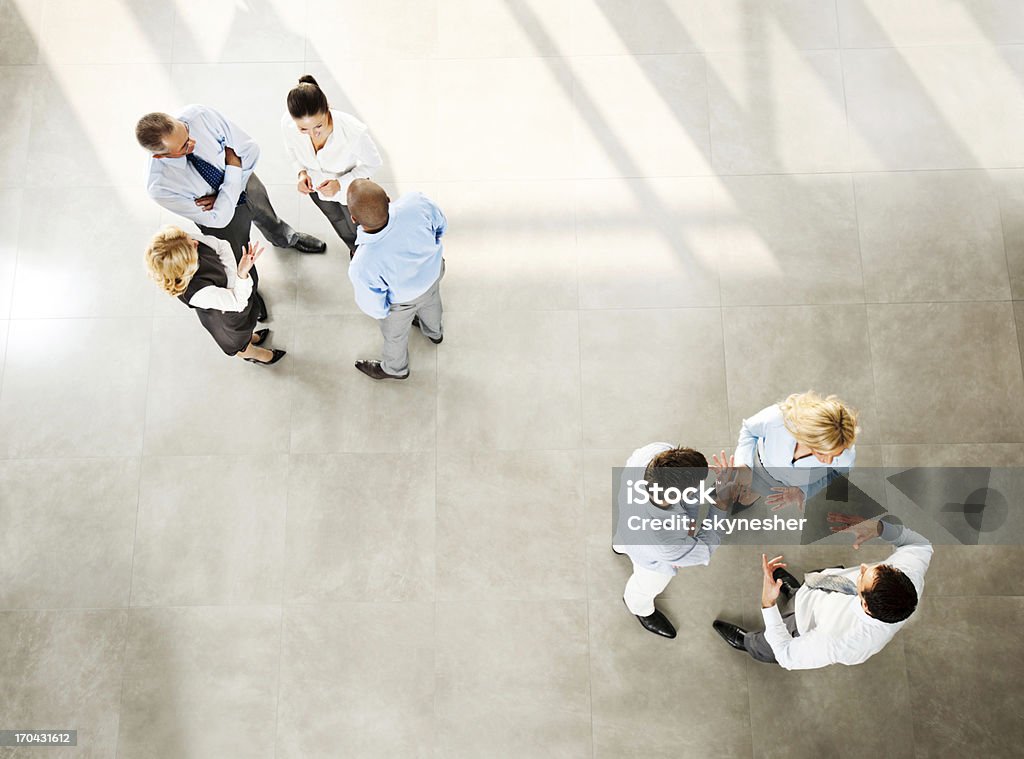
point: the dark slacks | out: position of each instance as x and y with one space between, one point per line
340 218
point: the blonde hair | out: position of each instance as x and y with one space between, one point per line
825 425
171 260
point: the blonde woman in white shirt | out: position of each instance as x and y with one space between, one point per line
795 447
201 272
329 149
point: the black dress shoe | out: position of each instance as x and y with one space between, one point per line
278 355
373 369
416 323
790 585
731 634
261 314
262 334
308 244
656 623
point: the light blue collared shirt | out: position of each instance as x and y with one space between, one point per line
175 184
400 262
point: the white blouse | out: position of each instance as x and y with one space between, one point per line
348 154
234 297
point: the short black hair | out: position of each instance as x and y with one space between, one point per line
677 468
893 597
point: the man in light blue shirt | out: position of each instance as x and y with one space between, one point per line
202 167
396 271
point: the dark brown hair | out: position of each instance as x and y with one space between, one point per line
306 98
677 468
893 597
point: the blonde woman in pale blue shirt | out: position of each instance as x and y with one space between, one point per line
796 447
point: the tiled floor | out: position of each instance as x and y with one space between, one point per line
664 215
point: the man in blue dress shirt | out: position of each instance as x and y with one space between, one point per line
396 271
201 167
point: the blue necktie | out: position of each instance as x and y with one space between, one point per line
210 174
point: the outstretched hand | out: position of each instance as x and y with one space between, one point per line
249 256
863 529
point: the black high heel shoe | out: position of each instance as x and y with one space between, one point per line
278 355
262 334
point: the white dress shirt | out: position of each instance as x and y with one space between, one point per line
766 433
176 185
678 549
234 297
833 627
348 154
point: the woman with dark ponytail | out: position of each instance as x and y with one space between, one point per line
330 149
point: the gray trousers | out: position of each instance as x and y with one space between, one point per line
757 645
255 210
396 325
337 213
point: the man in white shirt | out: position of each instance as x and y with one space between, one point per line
842 616
665 549
201 167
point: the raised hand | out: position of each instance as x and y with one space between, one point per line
249 256
770 587
786 497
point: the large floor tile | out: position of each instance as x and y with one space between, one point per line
964 665
500 29
200 682
74 387
647 243
672 137
259 30
18 87
202 401
769 24
120 31
533 140
613 27
787 240
251 95
1010 191
405 143
357 679
490 370
71 264
360 528
509 246
933 107
777 112
340 29
104 152
11 204
20 27
512 679
931 236
210 530
771 353
69 526
633 674
653 375
927 353
876 23
62 670
523 504
974 571
1018 312
818 701
336 408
